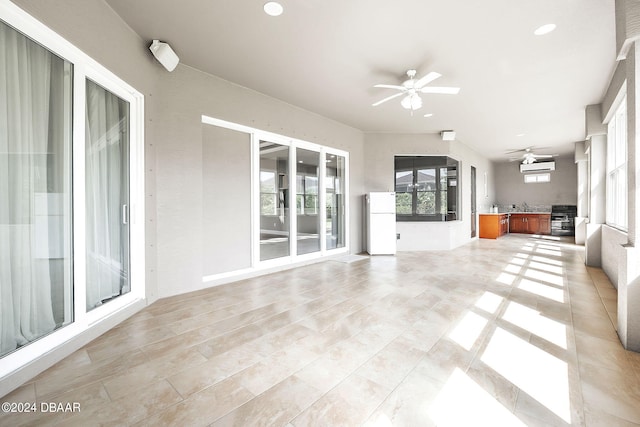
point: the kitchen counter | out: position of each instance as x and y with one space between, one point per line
529 213
516 213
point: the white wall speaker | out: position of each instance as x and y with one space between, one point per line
164 54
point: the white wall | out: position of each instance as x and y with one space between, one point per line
174 104
226 195
380 150
612 252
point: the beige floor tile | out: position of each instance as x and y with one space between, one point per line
349 404
131 408
391 365
215 369
59 381
598 418
277 406
140 376
601 352
275 368
409 404
203 407
612 391
390 341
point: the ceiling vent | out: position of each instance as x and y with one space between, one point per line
538 167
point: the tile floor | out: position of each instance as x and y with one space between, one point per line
509 332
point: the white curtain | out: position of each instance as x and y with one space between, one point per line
30 170
107 147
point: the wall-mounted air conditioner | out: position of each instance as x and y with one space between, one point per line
538 166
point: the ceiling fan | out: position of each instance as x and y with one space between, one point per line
529 156
411 89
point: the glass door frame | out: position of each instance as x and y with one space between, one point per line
258 135
81 330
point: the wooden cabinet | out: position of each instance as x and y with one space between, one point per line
530 223
493 226
545 224
517 223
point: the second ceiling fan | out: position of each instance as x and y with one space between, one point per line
412 88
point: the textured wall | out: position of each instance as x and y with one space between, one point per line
380 150
511 189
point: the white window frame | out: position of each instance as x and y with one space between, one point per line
616 192
258 135
84 67
537 178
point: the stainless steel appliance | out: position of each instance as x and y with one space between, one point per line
563 220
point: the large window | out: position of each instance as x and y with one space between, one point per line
617 168
426 188
71 191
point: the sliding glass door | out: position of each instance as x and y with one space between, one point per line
35 191
71 165
335 172
307 201
107 195
274 201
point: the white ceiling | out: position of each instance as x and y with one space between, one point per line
326 55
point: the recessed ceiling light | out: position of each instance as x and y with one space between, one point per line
428 115
273 8
520 134
545 29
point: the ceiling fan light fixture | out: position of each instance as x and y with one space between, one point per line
273 8
411 102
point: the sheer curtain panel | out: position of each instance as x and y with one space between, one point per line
35 202
107 195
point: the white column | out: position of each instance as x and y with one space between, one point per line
597 203
629 267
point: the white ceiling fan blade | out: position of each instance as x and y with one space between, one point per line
543 156
391 87
388 99
440 89
427 79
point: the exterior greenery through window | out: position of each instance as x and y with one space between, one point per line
426 188
307 194
268 193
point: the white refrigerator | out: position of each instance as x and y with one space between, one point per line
380 211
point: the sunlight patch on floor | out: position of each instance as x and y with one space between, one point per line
506 279
548 252
546 267
554 279
541 375
514 269
462 402
468 330
531 320
489 302
542 290
518 261
546 260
